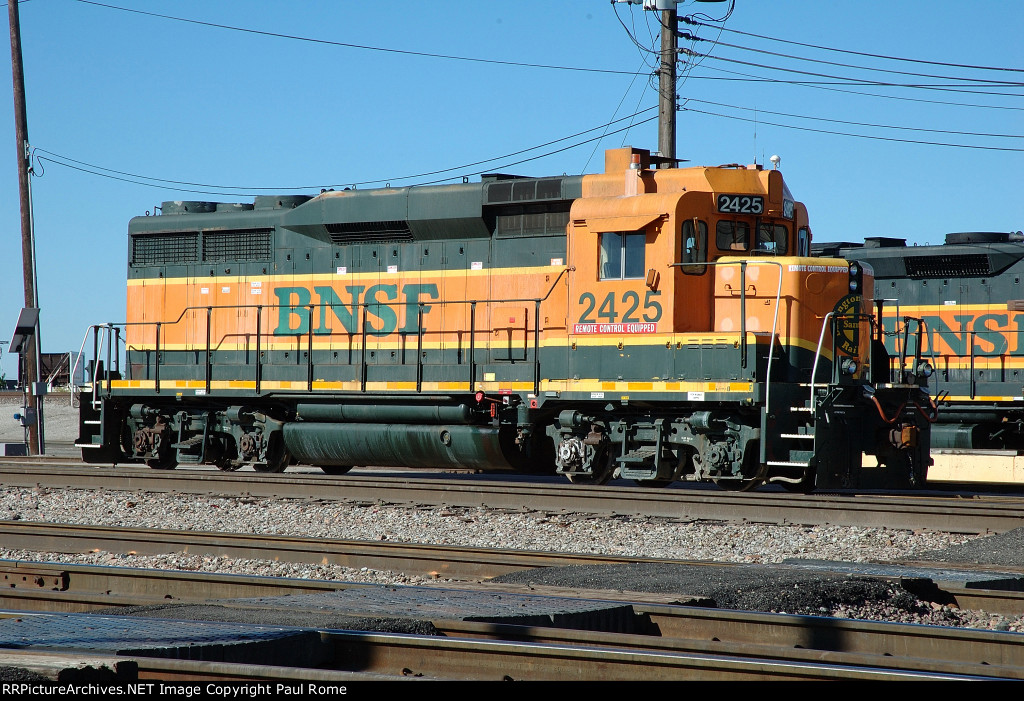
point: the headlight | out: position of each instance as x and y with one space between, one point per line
925 369
856 273
850 366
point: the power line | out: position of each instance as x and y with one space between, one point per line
239 191
617 107
688 36
858 136
819 85
860 124
862 53
854 81
363 47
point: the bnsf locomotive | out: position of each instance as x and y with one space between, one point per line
965 299
652 323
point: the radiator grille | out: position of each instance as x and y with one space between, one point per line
237 244
369 231
965 265
178 247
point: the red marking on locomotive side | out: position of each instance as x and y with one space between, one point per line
615 328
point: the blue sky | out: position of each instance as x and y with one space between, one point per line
180 101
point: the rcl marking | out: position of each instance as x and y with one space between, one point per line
614 328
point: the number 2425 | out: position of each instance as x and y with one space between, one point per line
630 299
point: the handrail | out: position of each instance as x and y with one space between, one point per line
858 317
536 348
81 353
743 314
419 348
101 334
817 353
440 302
362 307
309 352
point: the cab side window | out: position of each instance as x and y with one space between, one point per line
803 242
732 235
622 255
772 238
694 246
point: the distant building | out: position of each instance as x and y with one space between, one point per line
55 369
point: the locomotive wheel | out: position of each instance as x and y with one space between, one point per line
604 470
335 469
746 484
653 483
278 465
164 461
604 478
277 456
265 467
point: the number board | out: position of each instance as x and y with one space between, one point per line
741 204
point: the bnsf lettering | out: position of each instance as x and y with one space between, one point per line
989 334
380 317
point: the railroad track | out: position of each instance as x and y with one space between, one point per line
392 657
450 562
677 642
952 514
681 642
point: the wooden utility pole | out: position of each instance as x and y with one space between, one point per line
667 85
28 267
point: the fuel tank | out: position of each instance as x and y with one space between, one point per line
396 445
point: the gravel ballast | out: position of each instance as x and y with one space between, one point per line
759 587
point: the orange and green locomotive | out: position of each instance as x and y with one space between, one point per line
650 323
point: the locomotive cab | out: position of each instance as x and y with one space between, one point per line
697 283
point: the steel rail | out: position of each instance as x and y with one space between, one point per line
76 584
942 513
379 656
673 629
930 654
436 560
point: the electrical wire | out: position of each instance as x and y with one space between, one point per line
859 136
406 52
686 35
615 112
862 53
640 47
747 77
728 14
861 124
238 191
857 81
